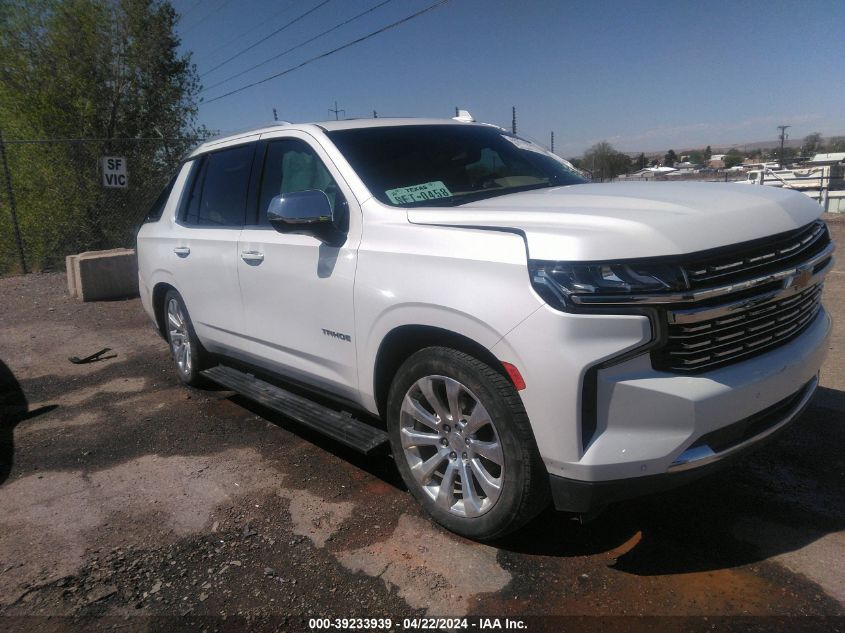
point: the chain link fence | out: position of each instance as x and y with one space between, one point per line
54 191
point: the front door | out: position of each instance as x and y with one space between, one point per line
296 290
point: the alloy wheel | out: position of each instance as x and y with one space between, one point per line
180 341
452 446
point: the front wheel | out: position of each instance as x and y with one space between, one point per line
463 445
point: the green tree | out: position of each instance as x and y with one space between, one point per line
670 158
641 161
812 144
91 69
708 153
835 144
604 162
734 157
696 157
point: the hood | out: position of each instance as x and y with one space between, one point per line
593 222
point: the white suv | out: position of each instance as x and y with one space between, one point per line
516 334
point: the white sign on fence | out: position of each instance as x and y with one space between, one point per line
114 172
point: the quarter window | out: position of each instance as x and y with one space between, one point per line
292 165
219 192
154 214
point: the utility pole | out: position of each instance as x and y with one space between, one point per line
783 137
553 142
513 121
12 206
336 111
275 115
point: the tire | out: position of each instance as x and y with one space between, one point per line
189 356
493 446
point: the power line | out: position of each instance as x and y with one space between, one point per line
190 9
205 17
331 52
264 39
300 45
264 21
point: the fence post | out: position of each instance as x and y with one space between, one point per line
12 205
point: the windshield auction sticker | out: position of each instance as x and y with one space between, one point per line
419 193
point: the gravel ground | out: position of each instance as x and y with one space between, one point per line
128 501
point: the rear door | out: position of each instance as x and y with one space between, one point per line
205 252
297 291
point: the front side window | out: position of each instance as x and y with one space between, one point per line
219 192
448 165
292 165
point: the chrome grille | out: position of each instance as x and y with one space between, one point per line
749 259
700 339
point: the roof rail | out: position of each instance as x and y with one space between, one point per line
241 132
261 126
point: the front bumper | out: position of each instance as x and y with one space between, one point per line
647 423
572 495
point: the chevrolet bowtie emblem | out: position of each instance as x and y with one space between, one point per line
801 279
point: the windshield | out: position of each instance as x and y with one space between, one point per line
448 165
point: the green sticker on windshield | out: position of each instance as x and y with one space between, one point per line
418 193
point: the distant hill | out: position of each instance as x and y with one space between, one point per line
790 142
723 149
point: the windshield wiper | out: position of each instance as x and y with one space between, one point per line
434 202
493 193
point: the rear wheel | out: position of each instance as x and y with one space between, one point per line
463 444
188 354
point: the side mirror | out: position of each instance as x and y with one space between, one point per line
303 212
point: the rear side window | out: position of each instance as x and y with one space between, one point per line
292 165
219 190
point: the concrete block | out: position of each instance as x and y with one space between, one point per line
70 269
111 274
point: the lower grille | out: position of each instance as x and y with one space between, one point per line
748 428
697 343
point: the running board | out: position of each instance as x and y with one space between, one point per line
339 426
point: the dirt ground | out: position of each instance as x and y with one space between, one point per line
128 501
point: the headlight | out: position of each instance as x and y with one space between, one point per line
561 283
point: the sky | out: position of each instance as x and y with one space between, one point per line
644 76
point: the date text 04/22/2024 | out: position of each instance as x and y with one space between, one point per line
416 624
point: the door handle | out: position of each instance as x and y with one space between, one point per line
252 256
182 251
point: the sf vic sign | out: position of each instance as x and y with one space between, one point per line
115 174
